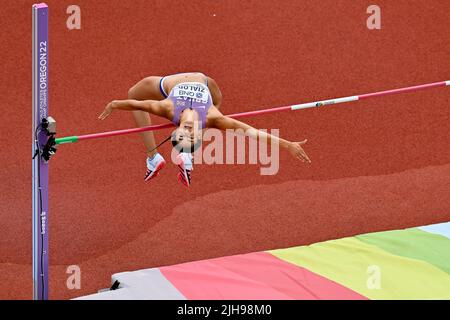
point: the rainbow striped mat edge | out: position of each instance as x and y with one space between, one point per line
412 263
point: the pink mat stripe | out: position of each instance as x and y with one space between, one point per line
257 275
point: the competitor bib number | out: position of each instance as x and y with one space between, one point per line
196 92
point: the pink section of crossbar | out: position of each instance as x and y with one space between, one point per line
258 112
251 276
124 131
403 90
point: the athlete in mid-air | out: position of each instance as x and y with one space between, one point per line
185 99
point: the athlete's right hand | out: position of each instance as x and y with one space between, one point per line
108 110
295 148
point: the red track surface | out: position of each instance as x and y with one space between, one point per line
377 165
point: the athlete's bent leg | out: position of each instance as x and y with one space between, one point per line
146 89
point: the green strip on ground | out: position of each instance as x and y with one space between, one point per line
415 244
369 270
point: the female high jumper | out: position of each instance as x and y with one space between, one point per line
186 99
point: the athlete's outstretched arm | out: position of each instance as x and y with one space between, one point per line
295 148
158 108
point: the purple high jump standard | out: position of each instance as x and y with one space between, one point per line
39 166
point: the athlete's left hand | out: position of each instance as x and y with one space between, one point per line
108 110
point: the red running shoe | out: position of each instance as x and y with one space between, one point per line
184 162
154 164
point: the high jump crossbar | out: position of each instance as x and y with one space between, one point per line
72 139
41 135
